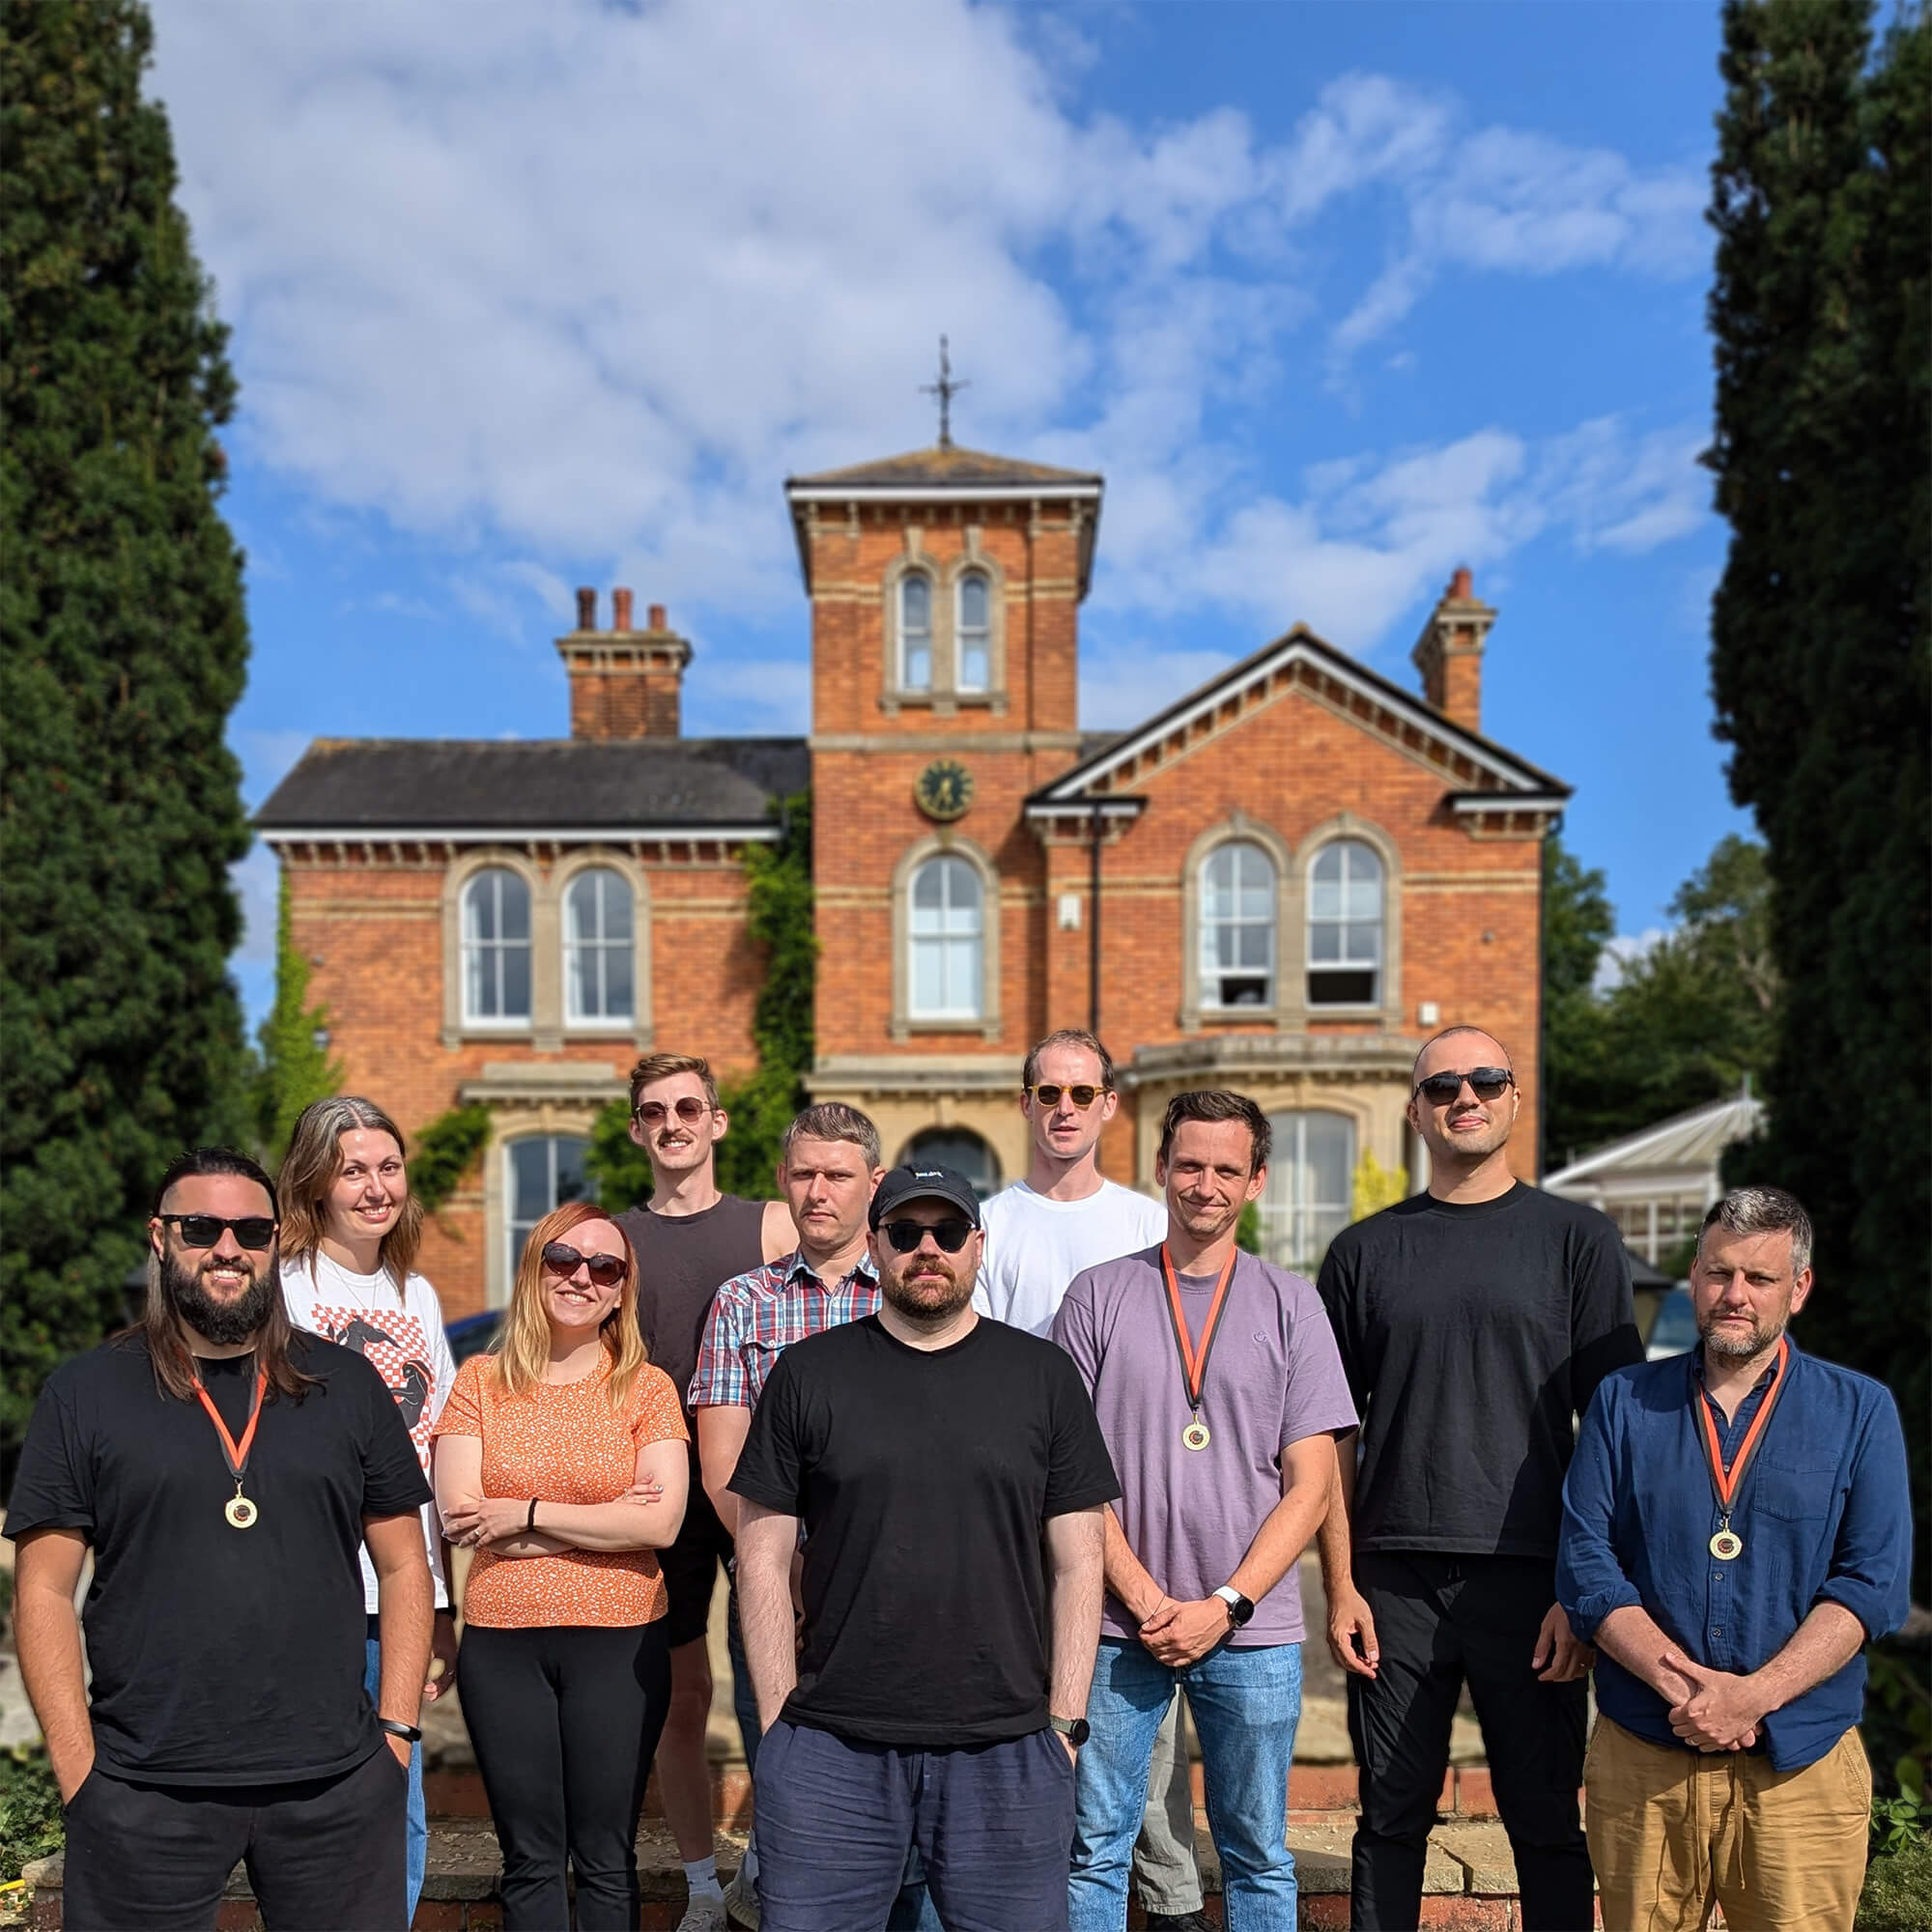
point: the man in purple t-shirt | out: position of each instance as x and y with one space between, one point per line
1220 1392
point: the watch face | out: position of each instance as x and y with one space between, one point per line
944 790
1076 1733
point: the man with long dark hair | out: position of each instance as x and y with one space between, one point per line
224 1469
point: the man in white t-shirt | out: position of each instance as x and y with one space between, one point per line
1041 1232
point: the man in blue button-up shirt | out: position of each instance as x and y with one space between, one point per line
1736 1525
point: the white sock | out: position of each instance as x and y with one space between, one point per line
701 1875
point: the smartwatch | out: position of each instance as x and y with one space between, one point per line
1240 1609
1075 1730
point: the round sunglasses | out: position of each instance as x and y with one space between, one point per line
605 1270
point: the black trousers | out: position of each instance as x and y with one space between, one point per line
565 1723
323 1856
1439 1620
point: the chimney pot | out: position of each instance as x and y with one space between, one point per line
620 609
587 608
658 618
1463 585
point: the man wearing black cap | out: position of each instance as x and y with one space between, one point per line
949 1476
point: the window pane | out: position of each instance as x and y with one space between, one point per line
917 668
915 604
928 896
513 905
516 982
580 907
928 967
973 602
1328 864
1324 944
963 977
529 1179
479 906
1324 898
1364 944
961 1149
1330 1142
973 670
617 1005
616 906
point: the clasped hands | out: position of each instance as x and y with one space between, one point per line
1177 1634
1713 1710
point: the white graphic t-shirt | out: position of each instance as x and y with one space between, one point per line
1035 1247
403 1339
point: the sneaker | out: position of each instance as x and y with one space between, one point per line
704 1914
1178 1921
741 1903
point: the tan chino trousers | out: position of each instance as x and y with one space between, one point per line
1674 1832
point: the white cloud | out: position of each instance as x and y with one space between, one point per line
1622 952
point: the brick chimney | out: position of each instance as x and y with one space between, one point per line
1449 653
624 683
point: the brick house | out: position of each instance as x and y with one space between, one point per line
1282 882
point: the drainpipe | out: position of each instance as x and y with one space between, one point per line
1093 928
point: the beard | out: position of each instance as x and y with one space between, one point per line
1741 1348
929 1295
225 1323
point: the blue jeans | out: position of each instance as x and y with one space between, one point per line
1245 1705
913 1910
415 1836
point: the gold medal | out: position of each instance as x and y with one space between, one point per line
1193 1361
241 1512
1195 1436
1726 1545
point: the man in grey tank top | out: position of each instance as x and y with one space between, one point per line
689 1243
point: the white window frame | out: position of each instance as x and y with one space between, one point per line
604 880
1344 924
1287 1211
513 1246
952 866
1212 973
907 633
477 952
977 636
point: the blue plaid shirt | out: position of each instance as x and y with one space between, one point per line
761 1314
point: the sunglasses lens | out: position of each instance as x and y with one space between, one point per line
1488 1082
906 1235
1081 1096
257 1232
563 1259
654 1113
200 1231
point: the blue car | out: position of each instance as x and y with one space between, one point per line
1674 1332
474 1334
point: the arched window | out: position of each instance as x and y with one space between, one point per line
597 951
1238 920
915 633
974 633
961 1149
1310 1187
1345 926
544 1172
947 933
496 947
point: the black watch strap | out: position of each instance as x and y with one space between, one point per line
399 1731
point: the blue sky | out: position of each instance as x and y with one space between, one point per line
1338 297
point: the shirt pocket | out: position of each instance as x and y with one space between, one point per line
1796 1489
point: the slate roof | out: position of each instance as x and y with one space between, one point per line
449 784
1695 1139
942 467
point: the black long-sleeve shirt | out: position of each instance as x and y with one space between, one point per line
1472 1336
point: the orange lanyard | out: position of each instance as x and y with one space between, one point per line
1193 1361
236 1455
1727 1482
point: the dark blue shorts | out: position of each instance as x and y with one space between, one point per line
994 1824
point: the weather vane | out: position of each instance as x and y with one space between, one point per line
946 388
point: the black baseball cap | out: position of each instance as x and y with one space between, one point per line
925 1180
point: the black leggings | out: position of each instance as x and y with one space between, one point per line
565 1723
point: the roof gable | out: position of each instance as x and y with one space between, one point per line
1477 769
947 466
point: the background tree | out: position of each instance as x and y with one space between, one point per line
122 648
1821 659
294 1067
1577 923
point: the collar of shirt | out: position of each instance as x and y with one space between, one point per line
1729 1432
796 1268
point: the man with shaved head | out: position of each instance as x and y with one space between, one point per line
1475 1321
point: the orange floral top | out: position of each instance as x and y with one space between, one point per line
563 1443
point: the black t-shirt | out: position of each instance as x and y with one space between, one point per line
1471 1335
683 1260
220 1656
925 1479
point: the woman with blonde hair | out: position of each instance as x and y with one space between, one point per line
560 1459
349 1231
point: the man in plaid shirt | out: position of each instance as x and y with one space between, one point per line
828 1167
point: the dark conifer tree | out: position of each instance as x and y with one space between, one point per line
1821 655
122 648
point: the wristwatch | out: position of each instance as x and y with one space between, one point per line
1240 1609
1075 1730
399 1731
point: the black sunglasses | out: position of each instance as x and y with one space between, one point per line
1083 1097
654 1113
1487 1082
203 1231
561 1257
906 1235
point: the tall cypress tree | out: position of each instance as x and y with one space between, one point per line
122 648
1821 651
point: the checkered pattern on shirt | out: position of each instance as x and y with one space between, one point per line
759 1314
398 1350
